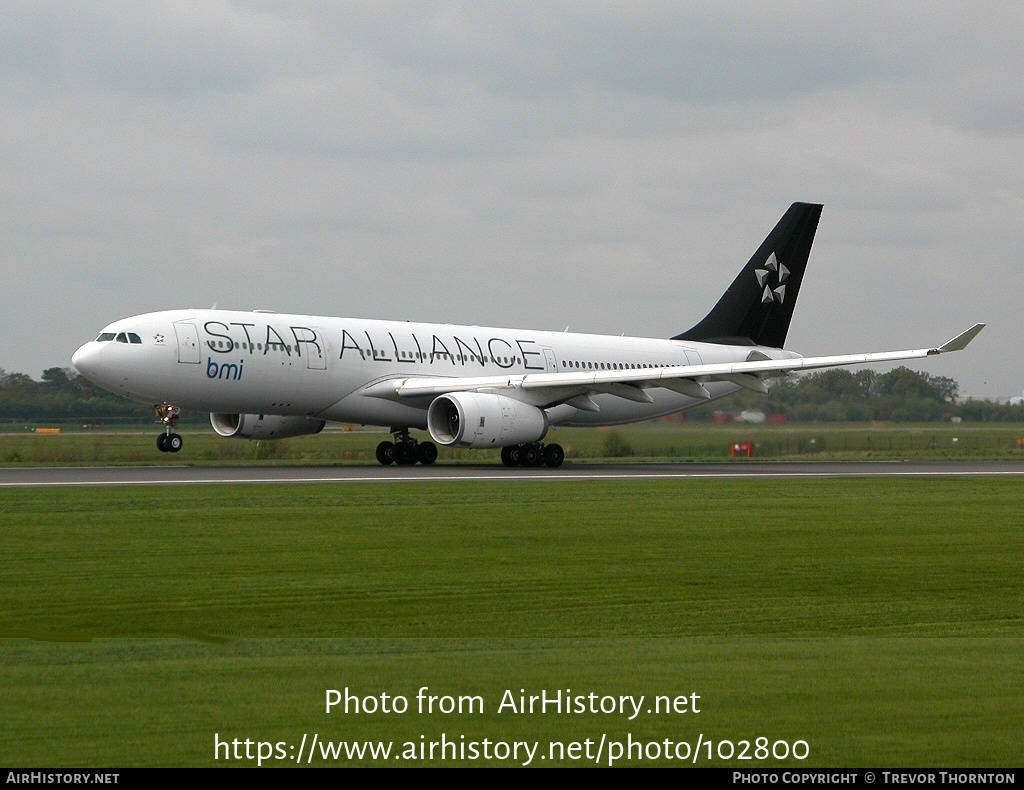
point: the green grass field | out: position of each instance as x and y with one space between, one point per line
650 441
880 621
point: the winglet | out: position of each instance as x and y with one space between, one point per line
959 343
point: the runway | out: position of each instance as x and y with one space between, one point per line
213 475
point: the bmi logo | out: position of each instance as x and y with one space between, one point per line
225 370
764 277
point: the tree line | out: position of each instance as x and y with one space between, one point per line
839 395
843 395
63 396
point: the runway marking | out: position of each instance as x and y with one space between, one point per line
542 477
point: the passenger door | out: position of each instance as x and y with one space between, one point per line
188 342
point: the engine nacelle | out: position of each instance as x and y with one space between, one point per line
476 419
263 426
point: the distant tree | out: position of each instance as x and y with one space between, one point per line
18 381
988 411
948 388
58 378
905 383
63 395
841 395
836 384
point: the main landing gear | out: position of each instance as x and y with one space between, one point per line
169 441
406 451
535 454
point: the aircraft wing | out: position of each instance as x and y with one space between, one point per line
630 384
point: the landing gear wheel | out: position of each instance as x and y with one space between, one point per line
405 454
385 453
168 441
531 455
506 455
515 455
427 452
554 455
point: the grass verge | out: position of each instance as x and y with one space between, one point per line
879 620
652 441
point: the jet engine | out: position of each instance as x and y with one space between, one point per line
263 426
476 419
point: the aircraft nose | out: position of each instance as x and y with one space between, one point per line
84 360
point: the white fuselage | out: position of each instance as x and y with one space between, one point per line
273 363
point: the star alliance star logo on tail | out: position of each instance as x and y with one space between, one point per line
764 276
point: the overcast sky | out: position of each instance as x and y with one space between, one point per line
606 165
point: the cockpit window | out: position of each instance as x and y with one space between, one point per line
134 338
121 337
104 337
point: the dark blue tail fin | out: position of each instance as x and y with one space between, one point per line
757 308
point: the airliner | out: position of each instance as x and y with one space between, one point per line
264 375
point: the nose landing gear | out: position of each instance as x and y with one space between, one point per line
169 441
405 450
